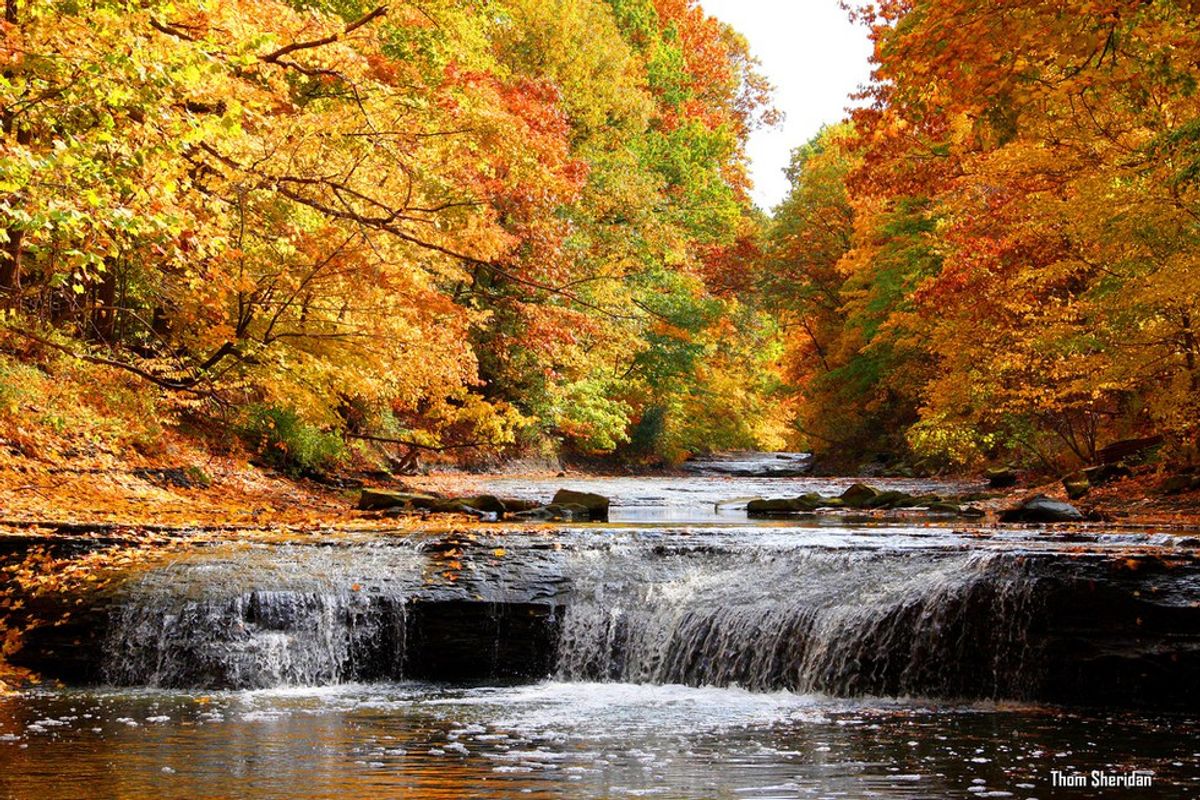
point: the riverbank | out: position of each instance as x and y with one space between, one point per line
190 488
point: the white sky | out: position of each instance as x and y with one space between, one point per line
814 57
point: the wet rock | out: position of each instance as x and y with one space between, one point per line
486 502
775 505
945 507
596 505
857 495
1001 477
890 498
1077 485
1042 509
380 499
514 504
804 504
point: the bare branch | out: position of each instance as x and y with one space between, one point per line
275 56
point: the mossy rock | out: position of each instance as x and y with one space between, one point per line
858 495
890 499
774 505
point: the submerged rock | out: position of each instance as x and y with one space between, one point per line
1042 509
596 504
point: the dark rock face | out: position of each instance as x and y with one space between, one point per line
596 505
462 641
1001 477
1042 509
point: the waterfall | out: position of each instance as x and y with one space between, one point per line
810 620
257 639
848 615
261 618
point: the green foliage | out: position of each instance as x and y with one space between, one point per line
289 443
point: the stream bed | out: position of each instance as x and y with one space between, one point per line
678 651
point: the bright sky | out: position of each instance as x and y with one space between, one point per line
814 57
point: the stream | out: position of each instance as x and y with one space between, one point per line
680 650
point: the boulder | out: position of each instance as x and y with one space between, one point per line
378 499
513 504
774 505
857 495
803 504
486 502
945 507
1001 477
1077 485
1042 509
596 504
890 498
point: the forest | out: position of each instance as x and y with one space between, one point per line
323 230
415 399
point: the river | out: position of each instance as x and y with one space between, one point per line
678 651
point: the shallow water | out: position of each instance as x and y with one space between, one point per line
677 572
676 500
580 740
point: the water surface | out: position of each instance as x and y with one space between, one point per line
673 591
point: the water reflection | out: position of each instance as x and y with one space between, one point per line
565 739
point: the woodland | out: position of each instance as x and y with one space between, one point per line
324 231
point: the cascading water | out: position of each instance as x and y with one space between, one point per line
261 618
841 622
846 612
